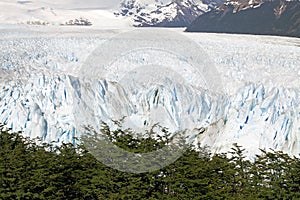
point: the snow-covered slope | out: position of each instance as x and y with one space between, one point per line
166 13
59 13
41 90
105 14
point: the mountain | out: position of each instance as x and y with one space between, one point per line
277 17
56 13
43 94
167 13
175 13
139 13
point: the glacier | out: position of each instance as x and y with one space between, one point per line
42 94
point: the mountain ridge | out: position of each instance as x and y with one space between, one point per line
176 13
252 17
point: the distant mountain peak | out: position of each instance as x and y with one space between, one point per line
175 13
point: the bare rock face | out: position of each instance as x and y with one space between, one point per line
175 13
252 17
78 22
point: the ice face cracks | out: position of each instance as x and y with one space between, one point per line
139 74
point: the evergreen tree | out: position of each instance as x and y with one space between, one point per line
46 171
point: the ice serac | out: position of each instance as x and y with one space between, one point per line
42 94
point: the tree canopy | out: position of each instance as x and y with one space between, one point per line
47 171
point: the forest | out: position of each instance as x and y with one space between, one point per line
30 169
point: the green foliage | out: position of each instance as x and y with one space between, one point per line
31 171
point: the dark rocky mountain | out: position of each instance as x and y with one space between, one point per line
159 13
277 17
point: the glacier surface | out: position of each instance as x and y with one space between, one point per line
42 94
